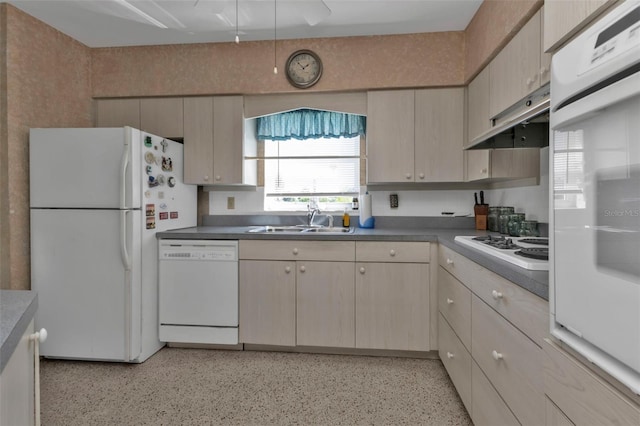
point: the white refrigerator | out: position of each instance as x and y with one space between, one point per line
97 197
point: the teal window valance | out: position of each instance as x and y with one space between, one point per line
310 124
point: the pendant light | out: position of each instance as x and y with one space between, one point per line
237 36
275 35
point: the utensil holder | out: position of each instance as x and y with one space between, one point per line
481 212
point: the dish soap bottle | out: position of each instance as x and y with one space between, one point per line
346 219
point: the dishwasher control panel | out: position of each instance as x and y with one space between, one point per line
218 250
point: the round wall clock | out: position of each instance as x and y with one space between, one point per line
304 69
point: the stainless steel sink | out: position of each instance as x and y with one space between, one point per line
300 229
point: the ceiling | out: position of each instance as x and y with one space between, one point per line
109 23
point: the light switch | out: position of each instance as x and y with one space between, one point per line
231 203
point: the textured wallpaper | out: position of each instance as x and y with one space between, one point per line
48 85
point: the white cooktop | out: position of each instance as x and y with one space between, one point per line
507 255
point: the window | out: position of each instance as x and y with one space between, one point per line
322 171
311 157
568 170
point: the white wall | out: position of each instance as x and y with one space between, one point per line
532 200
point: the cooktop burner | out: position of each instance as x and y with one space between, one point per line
509 249
541 253
537 241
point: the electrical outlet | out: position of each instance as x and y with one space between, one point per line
393 201
231 203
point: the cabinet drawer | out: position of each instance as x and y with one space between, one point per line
454 303
510 360
456 359
457 265
380 251
488 408
583 396
523 309
297 250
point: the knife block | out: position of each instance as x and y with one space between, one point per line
481 211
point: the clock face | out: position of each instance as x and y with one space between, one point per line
304 68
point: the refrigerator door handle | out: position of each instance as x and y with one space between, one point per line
124 163
124 253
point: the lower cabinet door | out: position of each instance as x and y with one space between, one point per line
325 308
392 306
456 360
267 302
488 408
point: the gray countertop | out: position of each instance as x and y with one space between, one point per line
537 282
17 308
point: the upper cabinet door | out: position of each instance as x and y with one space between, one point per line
162 117
198 140
514 73
478 119
118 113
390 136
439 134
228 137
564 18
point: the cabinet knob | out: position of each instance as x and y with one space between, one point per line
483 171
544 71
287 269
408 175
206 178
218 177
295 251
496 294
362 270
496 355
449 355
302 268
392 252
449 261
449 301
421 175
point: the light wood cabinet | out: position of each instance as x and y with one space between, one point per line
515 72
415 136
503 326
439 135
390 136
117 113
555 416
502 164
562 19
215 144
488 408
393 295
456 360
267 302
316 279
325 304
17 383
478 117
581 396
510 360
392 306
162 117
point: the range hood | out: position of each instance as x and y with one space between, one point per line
524 125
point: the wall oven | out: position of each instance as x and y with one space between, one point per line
595 194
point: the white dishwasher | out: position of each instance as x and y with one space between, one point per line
198 291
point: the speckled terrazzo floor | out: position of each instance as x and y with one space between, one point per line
209 387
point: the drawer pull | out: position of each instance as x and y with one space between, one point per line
449 355
287 269
362 270
496 355
302 269
295 251
496 294
218 177
449 301
449 261
392 253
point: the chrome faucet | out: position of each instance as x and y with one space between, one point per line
311 214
